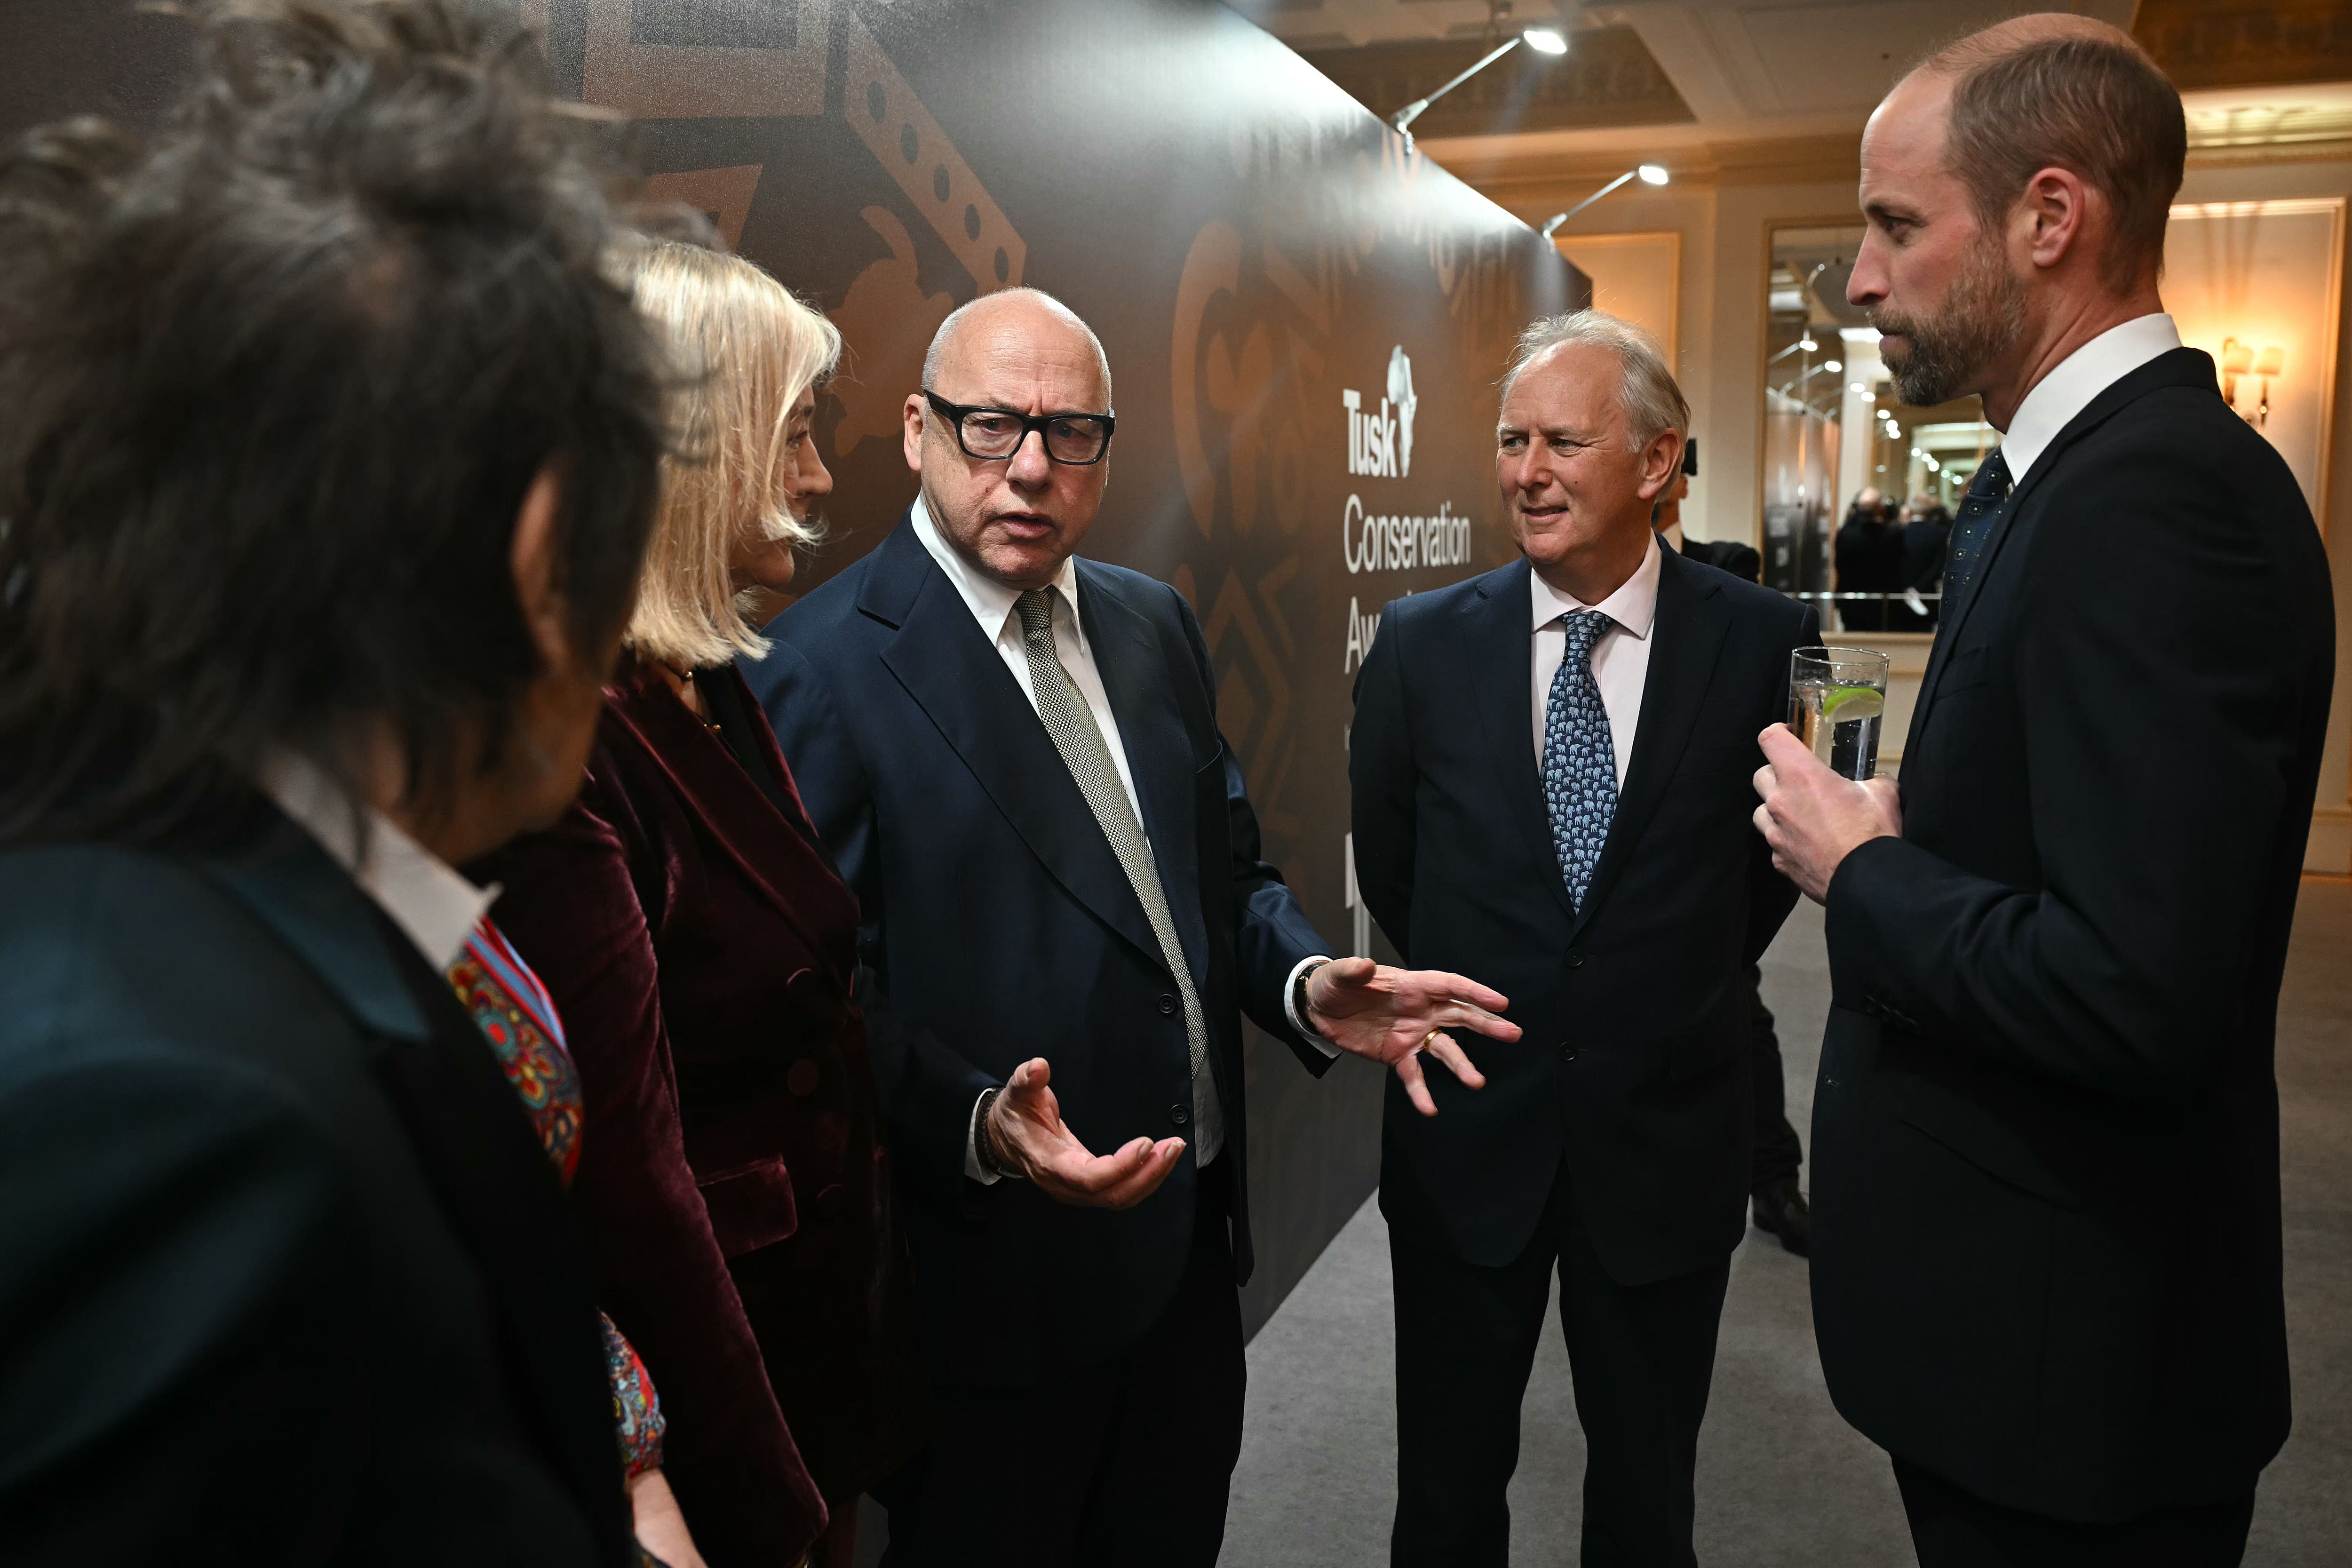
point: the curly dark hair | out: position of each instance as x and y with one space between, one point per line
273 385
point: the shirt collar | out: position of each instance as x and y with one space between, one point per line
2080 376
990 601
1634 605
429 902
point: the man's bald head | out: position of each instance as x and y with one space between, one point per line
1021 311
1017 518
2054 91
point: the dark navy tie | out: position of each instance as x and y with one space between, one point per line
1579 760
1988 493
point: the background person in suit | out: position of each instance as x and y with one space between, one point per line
1869 552
1547 764
1014 756
1776 1200
328 458
1926 537
2055 958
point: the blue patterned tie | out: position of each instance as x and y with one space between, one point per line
1988 493
1579 761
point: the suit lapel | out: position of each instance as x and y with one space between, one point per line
744 822
956 677
1135 677
1686 636
2176 367
500 1193
1498 644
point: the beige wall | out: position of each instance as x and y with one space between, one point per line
1722 221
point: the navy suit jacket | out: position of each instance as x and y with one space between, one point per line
1634 1064
2046 1233
997 925
269 1212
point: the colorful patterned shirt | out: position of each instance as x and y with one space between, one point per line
518 1018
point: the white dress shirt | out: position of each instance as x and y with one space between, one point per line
1620 658
994 606
426 899
2080 376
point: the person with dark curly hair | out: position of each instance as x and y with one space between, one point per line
328 458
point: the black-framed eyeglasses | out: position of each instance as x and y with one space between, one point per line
993 435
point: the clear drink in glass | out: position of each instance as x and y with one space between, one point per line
1837 700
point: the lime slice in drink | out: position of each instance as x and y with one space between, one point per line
1850 704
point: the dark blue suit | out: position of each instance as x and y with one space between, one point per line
998 926
1613 1138
287 1276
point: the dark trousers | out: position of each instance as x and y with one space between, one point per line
1778 1153
1954 1528
1127 1463
1642 1356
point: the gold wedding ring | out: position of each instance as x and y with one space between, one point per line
1426 1038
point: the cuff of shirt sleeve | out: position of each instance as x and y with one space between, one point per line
971 1165
1307 1030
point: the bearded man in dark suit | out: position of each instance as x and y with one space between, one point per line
2055 953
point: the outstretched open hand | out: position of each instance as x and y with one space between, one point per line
1394 1016
1024 1129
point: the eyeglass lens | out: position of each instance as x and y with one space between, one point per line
1073 439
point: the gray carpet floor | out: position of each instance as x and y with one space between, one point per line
1782 1480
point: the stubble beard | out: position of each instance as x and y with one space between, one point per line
1981 318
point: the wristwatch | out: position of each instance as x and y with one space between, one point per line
1299 996
983 1146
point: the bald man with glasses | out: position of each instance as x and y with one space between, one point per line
1013 755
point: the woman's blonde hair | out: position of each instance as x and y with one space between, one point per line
745 349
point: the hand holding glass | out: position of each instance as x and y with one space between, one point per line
1837 697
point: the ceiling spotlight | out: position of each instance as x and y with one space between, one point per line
1857 387
1649 173
1543 40
1832 366
1807 343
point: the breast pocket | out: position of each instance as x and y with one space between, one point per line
1971 667
750 1207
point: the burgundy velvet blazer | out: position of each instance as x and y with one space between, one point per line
702 955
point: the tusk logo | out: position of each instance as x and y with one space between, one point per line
1400 395
1379 440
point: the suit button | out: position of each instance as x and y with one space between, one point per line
1567 1052
1180 1113
1575 959
803 1079
1167 1007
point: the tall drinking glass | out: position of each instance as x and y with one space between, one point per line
1837 698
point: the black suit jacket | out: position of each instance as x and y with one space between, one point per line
286 1275
998 926
1633 1063
2046 1191
1725 555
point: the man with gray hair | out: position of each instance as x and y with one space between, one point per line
1549 766
2047 1231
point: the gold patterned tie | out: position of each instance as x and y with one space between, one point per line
1079 739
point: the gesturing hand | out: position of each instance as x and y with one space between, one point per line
1813 818
1392 1015
1024 1129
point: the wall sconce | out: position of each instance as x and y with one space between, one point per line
2239 359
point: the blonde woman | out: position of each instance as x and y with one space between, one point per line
702 955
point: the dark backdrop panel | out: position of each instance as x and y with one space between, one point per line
1304 326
